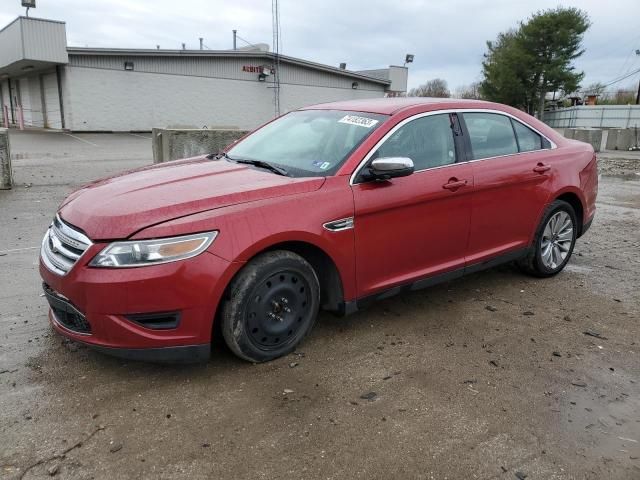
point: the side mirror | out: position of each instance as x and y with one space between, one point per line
391 167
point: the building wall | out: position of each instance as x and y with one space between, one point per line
33 39
11 41
44 40
109 98
221 68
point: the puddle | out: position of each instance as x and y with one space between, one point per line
609 419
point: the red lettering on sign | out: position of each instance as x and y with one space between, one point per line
252 69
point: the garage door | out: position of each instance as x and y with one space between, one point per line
52 118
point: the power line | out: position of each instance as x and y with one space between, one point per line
631 53
632 64
623 77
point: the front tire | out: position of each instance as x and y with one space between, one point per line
554 241
271 305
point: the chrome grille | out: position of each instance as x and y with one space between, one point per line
62 246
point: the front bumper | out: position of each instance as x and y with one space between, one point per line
109 301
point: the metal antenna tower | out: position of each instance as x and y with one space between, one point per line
275 17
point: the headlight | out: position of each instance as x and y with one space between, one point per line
151 252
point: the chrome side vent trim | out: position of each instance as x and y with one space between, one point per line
339 225
62 246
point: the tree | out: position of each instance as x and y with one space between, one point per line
621 96
507 78
471 91
523 65
625 97
433 88
597 88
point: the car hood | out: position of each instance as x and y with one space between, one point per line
119 206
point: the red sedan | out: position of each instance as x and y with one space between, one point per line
330 207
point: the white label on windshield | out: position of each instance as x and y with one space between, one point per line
360 121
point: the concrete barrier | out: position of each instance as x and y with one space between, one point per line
6 178
623 138
587 135
604 138
172 144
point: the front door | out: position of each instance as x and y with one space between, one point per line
416 226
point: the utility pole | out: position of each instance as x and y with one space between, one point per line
275 15
235 34
638 94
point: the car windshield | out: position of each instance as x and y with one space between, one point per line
308 142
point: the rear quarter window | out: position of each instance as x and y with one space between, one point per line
528 140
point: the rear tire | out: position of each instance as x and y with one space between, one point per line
554 241
271 305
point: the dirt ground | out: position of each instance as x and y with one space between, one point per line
497 375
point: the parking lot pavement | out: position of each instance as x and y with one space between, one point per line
484 377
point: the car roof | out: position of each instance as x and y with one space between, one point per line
390 106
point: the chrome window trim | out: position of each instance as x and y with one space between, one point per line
369 154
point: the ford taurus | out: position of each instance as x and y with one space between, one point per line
328 207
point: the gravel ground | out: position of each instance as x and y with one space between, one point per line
622 164
497 375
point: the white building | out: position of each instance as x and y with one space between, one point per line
45 83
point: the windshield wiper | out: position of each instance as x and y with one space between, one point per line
257 163
261 164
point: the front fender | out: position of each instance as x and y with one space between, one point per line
248 229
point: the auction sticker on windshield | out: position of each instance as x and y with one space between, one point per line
360 121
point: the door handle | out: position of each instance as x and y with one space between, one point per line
541 168
454 184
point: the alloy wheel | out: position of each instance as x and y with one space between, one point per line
557 239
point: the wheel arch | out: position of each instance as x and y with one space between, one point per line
329 275
331 286
577 203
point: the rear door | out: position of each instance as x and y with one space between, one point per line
416 226
511 178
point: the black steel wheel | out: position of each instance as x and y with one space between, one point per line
271 306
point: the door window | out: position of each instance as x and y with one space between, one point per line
491 135
428 141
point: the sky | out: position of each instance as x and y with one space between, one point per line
447 37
